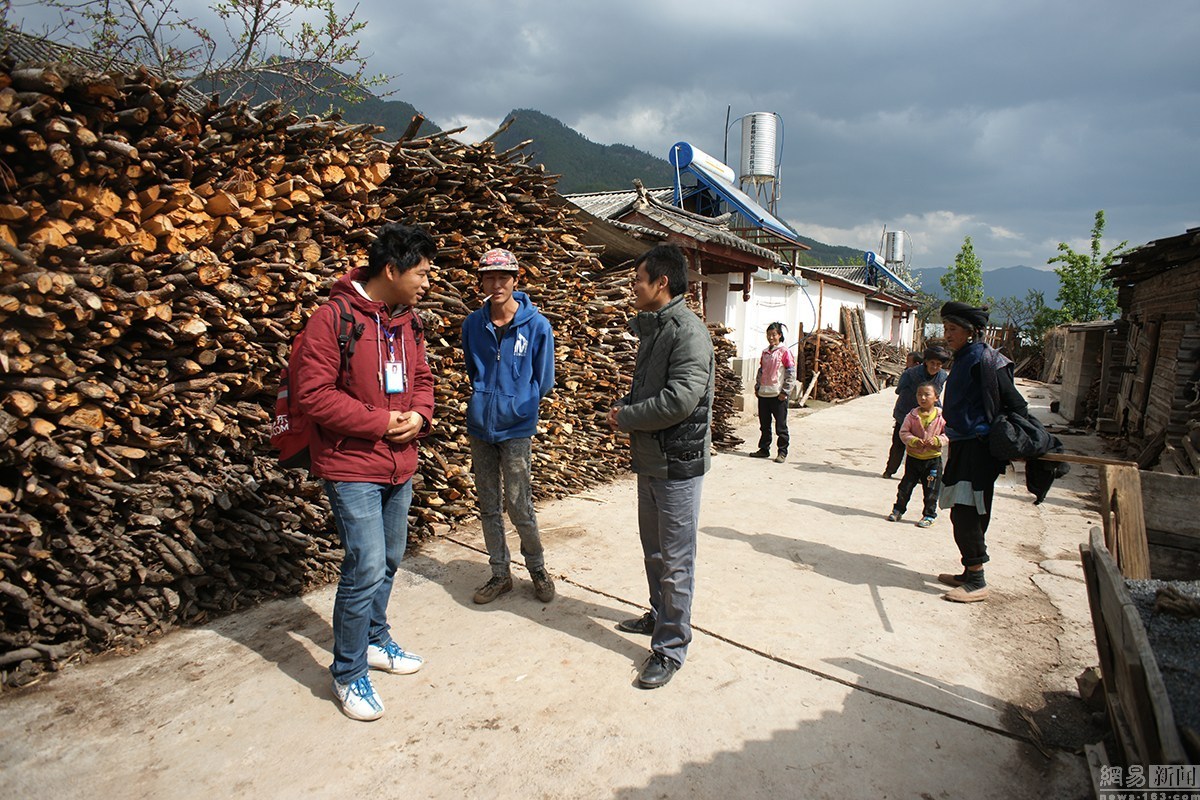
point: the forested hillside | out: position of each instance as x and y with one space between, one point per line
584 165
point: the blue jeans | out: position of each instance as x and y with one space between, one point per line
372 523
668 515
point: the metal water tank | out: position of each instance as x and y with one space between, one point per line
758 145
683 154
893 247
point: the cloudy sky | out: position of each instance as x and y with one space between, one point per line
1010 121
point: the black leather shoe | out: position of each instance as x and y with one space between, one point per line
657 671
643 625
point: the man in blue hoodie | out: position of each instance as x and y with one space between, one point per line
509 349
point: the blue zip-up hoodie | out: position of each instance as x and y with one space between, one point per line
510 377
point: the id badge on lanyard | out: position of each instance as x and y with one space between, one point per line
395 380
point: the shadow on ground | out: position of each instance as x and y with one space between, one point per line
884 748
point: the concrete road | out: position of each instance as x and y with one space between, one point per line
825 663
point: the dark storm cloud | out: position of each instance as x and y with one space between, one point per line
1011 121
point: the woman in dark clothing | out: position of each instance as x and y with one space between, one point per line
980 387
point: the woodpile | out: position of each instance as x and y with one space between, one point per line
728 386
890 362
155 264
840 372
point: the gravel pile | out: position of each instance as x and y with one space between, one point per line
1176 645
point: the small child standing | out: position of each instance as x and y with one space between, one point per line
773 386
924 435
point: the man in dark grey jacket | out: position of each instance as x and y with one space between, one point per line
667 413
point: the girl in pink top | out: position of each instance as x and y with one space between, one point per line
773 386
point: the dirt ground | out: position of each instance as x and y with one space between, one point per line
825 663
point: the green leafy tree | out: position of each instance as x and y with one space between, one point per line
927 306
1031 316
964 281
293 48
1085 291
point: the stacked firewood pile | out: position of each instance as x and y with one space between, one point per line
728 386
155 264
890 362
837 362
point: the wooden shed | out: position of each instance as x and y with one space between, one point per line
1158 397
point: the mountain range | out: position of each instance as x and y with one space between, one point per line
997 283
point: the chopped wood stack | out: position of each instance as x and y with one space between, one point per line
890 362
728 386
840 370
155 264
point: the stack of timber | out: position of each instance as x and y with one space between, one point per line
728 386
856 337
155 263
1054 346
889 360
840 372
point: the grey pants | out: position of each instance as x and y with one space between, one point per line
668 516
508 463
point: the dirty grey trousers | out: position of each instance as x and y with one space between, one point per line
506 465
668 516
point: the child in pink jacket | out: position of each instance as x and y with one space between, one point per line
924 435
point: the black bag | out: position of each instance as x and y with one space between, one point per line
1016 436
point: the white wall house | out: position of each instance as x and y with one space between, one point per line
799 302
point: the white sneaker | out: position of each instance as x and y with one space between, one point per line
393 658
358 699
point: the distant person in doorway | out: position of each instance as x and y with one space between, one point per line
773 387
509 349
929 371
668 414
924 436
981 386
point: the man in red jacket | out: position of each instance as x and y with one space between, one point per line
367 418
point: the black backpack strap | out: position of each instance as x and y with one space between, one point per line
418 327
349 331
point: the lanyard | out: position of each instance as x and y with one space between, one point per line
390 334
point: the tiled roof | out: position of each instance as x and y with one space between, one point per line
671 218
26 49
848 273
609 205
858 276
657 206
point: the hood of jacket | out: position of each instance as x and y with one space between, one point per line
344 287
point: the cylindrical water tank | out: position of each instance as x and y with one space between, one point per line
758 145
893 247
683 154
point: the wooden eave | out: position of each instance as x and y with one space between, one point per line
1157 257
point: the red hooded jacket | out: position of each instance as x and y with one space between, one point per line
351 410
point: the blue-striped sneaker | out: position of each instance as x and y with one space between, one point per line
358 699
392 658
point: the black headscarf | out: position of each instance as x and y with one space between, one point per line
975 317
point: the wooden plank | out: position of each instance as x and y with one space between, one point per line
1094 461
1124 524
1136 698
811 385
1097 759
1170 502
1153 720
